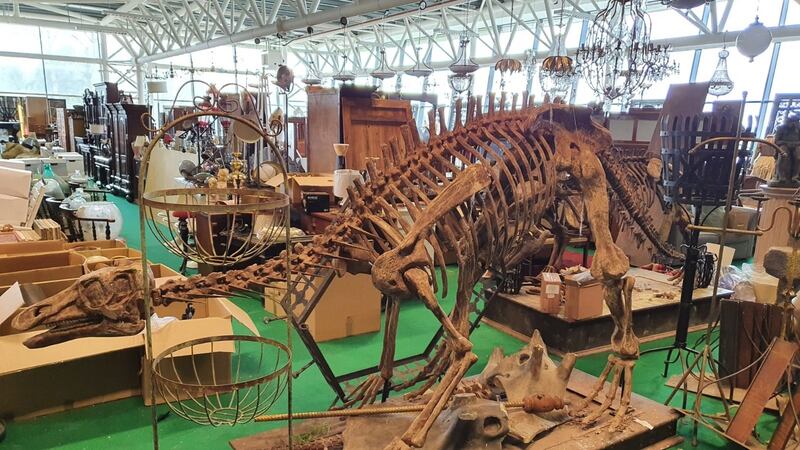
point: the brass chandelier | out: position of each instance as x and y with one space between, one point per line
618 59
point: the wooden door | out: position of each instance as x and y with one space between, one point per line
367 123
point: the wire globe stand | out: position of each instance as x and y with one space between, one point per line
238 396
708 368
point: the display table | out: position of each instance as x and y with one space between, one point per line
655 314
778 235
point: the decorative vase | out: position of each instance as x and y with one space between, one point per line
341 151
100 210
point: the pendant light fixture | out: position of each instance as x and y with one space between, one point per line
753 40
461 79
344 75
684 4
383 71
557 73
618 59
420 69
720 83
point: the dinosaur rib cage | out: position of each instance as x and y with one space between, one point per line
491 227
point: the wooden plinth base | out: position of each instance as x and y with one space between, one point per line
651 425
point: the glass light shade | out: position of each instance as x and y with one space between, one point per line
557 75
344 77
460 82
311 81
419 71
463 64
721 83
753 40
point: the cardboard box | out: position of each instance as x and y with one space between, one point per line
304 182
40 267
94 245
27 248
550 295
583 300
351 305
15 182
13 210
88 371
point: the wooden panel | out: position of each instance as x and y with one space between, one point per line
682 100
765 382
784 431
369 123
324 129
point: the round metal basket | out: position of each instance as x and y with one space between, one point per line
222 380
229 225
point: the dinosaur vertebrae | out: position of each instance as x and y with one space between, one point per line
625 175
523 187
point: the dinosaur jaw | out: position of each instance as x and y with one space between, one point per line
93 325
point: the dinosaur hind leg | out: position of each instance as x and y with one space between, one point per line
462 359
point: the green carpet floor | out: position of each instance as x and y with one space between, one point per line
125 424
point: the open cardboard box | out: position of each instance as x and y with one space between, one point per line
26 248
351 305
87 371
304 182
36 267
95 245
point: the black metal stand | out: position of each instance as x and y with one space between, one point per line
685 305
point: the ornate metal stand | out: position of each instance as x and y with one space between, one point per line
220 402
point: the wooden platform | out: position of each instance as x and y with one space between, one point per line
655 313
652 425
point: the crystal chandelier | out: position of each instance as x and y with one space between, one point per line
557 75
383 71
463 67
721 83
618 58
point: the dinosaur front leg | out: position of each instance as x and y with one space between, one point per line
609 265
625 347
367 391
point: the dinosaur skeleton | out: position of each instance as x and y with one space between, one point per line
485 190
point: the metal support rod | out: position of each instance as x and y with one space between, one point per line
357 412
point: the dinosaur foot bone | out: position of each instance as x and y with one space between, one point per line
366 392
618 368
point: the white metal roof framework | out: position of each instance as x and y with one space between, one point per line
151 30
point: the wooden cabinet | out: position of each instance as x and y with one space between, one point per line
352 116
125 126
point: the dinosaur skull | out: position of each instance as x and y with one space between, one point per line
399 272
106 302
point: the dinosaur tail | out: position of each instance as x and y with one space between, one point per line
614 178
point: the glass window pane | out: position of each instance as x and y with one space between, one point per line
69 43
785 80
28 44
744 13
669 23
70 78
22 75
